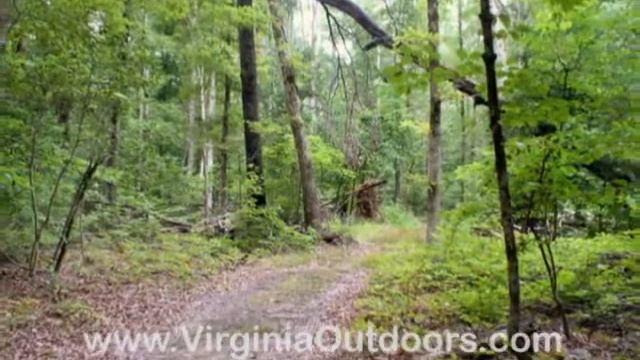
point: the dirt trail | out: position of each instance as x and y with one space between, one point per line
292 293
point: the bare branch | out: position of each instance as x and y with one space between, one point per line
380 36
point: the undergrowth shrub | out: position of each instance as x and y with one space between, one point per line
463 282
399 216
180 256
261 229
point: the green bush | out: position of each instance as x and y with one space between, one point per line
179 256
399 216
260 229
464 282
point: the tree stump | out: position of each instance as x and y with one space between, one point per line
368 199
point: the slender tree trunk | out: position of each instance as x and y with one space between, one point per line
463 129
544 242
224 151
5 23
35 247
397 180
191 133
434 165
207 112
112 158
207 154
506 212
143 106
81 189
310 197
38 226
250 107
315 113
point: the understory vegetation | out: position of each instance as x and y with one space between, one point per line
460 284
485 152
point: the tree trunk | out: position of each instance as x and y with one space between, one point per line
207 155
207 112
310 197
143 106
397 180
81 189
506 212
191 133
463 129
224 151
112 158
434 166
5 23
250 104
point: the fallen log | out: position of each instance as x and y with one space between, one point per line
178 225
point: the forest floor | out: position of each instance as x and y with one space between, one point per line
300 292
289 293
297 292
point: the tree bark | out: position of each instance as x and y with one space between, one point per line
81 189
250 108
111 191
190 160
207 112
463 130
397 176
506 212
5 23
224 151
434 165
310 197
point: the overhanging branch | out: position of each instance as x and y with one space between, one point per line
382 38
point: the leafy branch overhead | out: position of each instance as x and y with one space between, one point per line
383 38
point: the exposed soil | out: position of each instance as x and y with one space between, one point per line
272 298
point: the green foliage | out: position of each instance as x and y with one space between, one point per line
180 257
260 229
572 137
462 281
17 313
398 216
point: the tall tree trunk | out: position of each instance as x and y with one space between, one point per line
5 23
434 165
111 191
310 197
463 130
207 112
143 106
38 226
315 111
397 176
250 110
224 151
190 160
78 197
207 155
506 212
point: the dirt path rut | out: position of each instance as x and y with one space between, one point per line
292 293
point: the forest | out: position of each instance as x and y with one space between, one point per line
406 167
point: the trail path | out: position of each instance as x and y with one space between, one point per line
293 293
